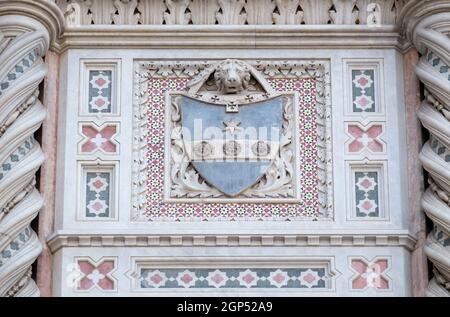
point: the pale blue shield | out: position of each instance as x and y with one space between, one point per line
232 175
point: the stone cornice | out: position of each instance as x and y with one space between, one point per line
122 27
44 11
230 36
64 239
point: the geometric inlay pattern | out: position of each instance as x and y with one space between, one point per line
367 194
363 90
234 278
100 91
96 138
95 275
365 138
370 274
98 189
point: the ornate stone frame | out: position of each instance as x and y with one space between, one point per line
317 69
192 262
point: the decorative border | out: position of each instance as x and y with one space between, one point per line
213 263
251 12
307 240
318 70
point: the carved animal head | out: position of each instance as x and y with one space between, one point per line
232 77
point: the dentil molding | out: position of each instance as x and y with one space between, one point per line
62 239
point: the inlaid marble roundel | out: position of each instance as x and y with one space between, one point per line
230 140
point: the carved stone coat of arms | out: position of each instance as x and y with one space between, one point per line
231 137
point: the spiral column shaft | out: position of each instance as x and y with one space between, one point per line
23 43
431 37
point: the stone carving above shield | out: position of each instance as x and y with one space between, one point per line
231 137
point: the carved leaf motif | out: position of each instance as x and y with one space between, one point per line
288 12
316 12
344 13
175 111
231 12
164 70
374 10
277 182
101 11
298 70
72 14
192 69
152 11
204 11
126 9
259 11
177 12
84 5
186 182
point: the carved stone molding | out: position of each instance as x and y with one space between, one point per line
201 23
231 12
27 28
313 240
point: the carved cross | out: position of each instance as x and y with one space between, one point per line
231 107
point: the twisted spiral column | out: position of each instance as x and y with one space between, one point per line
23 43
432 39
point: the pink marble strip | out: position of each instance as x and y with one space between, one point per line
48 173
419 268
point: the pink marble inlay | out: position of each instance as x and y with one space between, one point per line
370 274
156 279
309 278
248 278
99 138
217 278
365 138
279 278
186 278
96 275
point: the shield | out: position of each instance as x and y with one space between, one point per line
231 150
